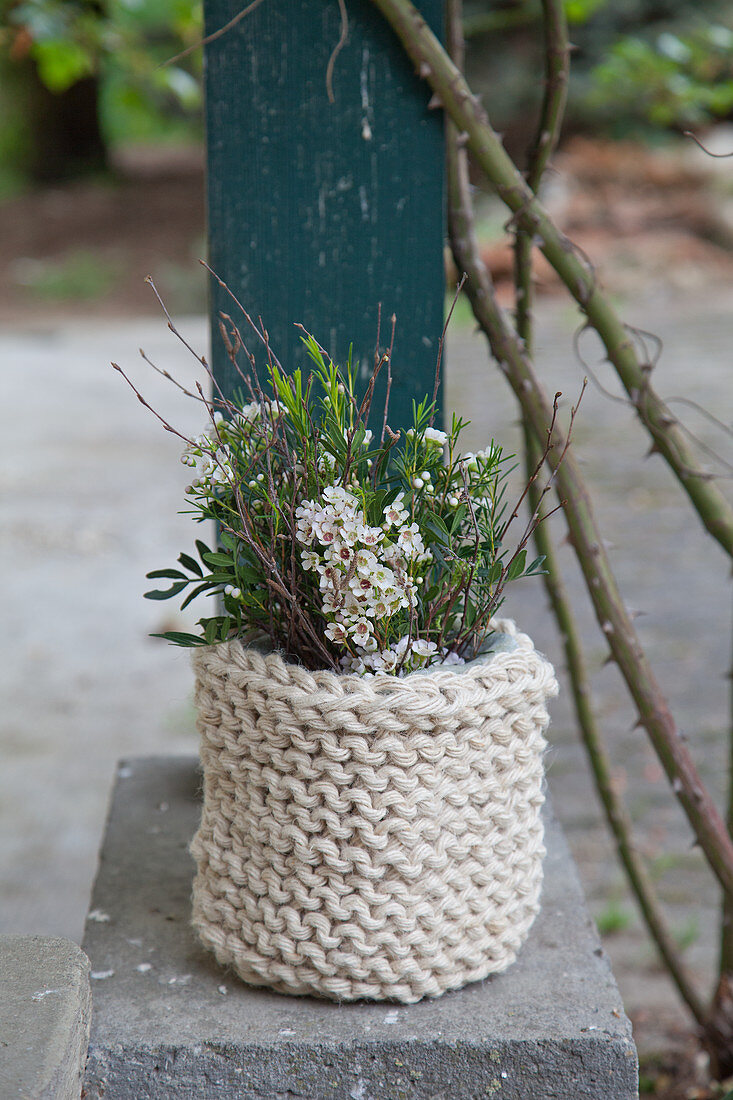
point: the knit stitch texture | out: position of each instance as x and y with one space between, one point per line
369 837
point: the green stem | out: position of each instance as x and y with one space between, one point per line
586 539
468 115
557 56
726 931
616 815
557 67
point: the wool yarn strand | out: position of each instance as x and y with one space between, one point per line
369 837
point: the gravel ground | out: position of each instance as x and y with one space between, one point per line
89 487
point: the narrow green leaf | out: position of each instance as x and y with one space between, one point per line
207 585
435 524
190 563
458 517
202 549
173 591
517 566
495 573
179 638
215 558
171 574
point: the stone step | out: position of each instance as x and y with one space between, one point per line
45 1009
168 1022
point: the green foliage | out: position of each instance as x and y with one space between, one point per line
580 11
126 43
345 551
613 918
673 80
79 276
637 65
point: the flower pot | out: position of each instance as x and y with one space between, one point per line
369 837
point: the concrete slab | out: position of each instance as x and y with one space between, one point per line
45 1010
167 1021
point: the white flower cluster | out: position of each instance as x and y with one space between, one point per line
405 654
364 575
209 458
432 437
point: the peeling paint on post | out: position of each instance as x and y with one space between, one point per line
319 211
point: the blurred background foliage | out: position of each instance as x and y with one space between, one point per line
640 68
81 77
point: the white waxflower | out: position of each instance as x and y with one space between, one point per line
410 541
422 648
369 536
434 437
395 513
336 494
366 563
349 531
304 532
336 633
325 529
310 559
361 629
353 664
341 552
215 467
382 578
250 413
360 585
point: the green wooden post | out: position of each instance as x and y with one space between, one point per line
319 211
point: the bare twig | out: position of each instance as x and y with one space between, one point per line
168 427
213 37
717 156
441 344
388 390
257 331
168 376
337 50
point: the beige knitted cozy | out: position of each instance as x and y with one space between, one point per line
369 837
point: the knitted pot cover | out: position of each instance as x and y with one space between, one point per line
369 837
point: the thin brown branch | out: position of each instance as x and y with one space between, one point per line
337 50
213 37
388 390
441 344
717 156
